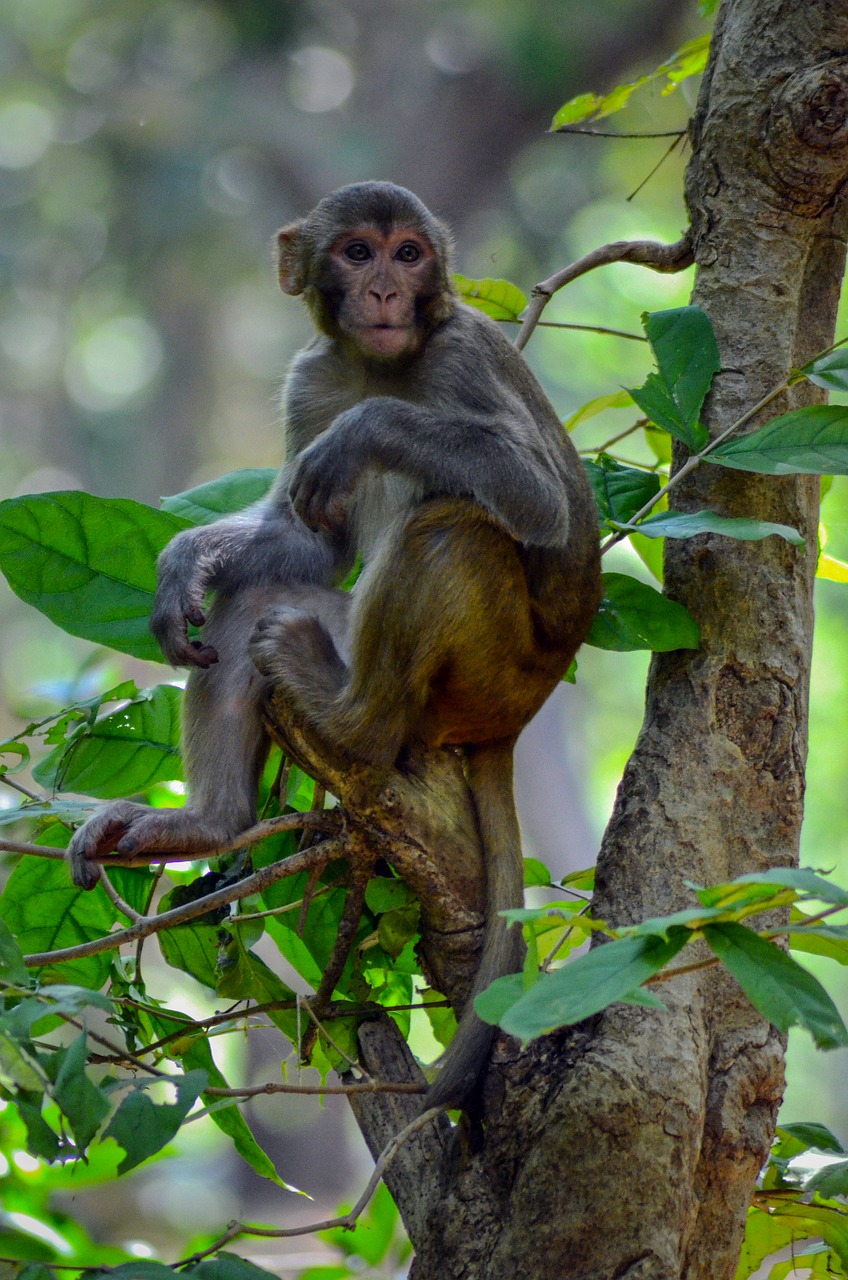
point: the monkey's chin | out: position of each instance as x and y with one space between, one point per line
386 342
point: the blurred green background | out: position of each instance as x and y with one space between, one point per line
148 151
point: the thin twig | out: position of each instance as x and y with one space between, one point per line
254 883
645 253
601 133
583 328
347 1221
19 786
280 911
668 151
622 435
117 901
691 462
331 1042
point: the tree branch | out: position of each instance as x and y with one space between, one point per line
646 253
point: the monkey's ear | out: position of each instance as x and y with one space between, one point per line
290 258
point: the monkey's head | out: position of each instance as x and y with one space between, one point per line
373 265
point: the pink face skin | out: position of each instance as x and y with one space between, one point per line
382 275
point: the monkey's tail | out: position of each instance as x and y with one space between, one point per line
489 773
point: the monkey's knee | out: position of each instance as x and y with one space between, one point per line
289 642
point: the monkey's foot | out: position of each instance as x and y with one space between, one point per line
130 830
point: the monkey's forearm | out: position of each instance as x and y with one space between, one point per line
267 544
506 471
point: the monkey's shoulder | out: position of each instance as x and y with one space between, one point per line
476 349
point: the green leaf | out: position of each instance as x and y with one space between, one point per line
764 1235
79 1099
122 753
811 441
688 61
498 298
386 893
224 496
227 1266
20 1067
827 1221
776 985
192 948
802 879
581 988
687 355
88 563
812 1134
620 491
682 525
536 873
141 1269
830 371
614 400
142 1127
45 912
820 939
12 967
635 616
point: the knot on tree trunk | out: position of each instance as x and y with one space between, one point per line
806 137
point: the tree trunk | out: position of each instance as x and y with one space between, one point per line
629 1146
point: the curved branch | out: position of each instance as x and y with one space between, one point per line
645 253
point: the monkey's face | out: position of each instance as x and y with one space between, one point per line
381 283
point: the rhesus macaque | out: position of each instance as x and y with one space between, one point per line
416 435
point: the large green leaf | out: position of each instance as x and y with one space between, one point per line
88 563
232 492
122 753
811 441
687 357
45 911
143 1127
777 987
670 524
620 491
581 988
498 298
79 1098
635 616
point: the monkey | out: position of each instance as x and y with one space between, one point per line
418 437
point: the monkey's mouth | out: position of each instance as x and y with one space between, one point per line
385 339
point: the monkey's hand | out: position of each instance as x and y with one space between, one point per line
184 578
326 474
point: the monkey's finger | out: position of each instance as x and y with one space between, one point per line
195 616
201 655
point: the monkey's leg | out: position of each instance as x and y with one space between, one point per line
224 748
443 648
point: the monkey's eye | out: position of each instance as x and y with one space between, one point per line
358 251
408 252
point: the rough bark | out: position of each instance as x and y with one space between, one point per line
629 1146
